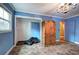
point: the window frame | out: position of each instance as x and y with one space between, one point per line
7 20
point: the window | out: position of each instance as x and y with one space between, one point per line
5 20
6 15
1 12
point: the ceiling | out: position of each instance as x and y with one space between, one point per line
49 9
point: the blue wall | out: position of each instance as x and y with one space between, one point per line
6 42
35 29
72 29
77 30
6 39
69 29
56 19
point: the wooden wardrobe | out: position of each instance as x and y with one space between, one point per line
49 32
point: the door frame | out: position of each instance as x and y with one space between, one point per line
27 17
64 30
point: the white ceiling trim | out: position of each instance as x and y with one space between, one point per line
28 17
40 14
44 15
71 16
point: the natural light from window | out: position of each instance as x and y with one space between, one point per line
5 20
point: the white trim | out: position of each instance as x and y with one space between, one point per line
54 16
5 31
57 40
39 14
28 17
76 42
9 50
43 38
72 16
58 17
15 33
41 31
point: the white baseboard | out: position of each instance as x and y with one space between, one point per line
76 42
9 50
57 40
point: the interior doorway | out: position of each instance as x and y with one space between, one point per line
62 32
49 32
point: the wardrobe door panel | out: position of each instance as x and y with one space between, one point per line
47 33
50 33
